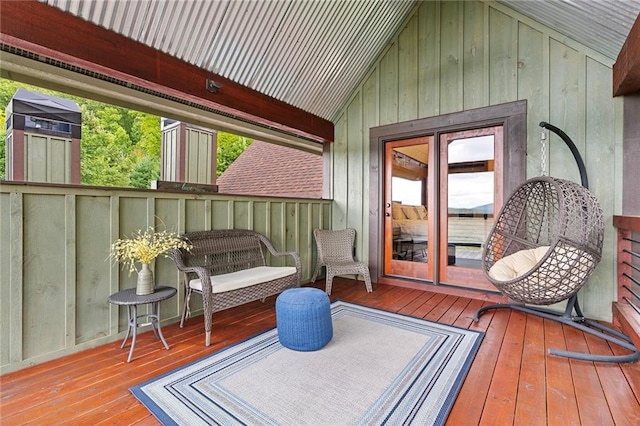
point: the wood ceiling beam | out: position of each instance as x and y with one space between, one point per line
626 70
48 31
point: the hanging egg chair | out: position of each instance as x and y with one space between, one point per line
545 243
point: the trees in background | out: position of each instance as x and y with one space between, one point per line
116 150
119 147
229 148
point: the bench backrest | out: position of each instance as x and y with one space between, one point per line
224 251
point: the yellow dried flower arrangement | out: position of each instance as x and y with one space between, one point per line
144 247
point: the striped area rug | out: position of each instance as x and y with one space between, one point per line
379 368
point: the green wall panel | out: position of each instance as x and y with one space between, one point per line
428 48
474 60
408 73
388 86
565 108
450 56
93 268
503 57
56 275
533 85
261 212
5 275
44 280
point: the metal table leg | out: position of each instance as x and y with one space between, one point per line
133 324
156 319
131 300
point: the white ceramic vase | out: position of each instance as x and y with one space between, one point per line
145 281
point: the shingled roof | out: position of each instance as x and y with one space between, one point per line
268 169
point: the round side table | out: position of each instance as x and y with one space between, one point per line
131 300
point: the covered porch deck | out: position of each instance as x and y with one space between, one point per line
513 380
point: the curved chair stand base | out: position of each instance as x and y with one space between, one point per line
581 323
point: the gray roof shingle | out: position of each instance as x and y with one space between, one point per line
273 170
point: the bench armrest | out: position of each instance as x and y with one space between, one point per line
276 253
202 272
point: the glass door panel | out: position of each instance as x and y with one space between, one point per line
408 224
467 188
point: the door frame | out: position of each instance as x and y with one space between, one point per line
512 116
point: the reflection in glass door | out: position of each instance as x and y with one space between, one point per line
440 201
407 220
467 202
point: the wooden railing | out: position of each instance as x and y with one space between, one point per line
626 311
55 275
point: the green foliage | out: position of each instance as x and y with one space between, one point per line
144 172
229 148
119 147
3 135
7 89
150 140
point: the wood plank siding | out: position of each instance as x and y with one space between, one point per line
452 56
55 274
513 380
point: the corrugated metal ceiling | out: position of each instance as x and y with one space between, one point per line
311 54
602 25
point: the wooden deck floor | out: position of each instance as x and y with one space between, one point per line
512 380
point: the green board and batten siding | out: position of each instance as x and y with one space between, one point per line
453 56
55 275
198 148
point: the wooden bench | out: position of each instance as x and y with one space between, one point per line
229 268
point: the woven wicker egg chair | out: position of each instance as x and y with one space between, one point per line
544 245
561 217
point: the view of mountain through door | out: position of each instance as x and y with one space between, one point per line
469 178
440 202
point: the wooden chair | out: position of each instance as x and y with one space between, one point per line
335 252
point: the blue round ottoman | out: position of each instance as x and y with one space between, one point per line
303 318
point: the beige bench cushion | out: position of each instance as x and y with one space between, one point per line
244 278
517 264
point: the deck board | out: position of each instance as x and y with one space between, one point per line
531 386
500 405
562 407
615 387
592 404
513 380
